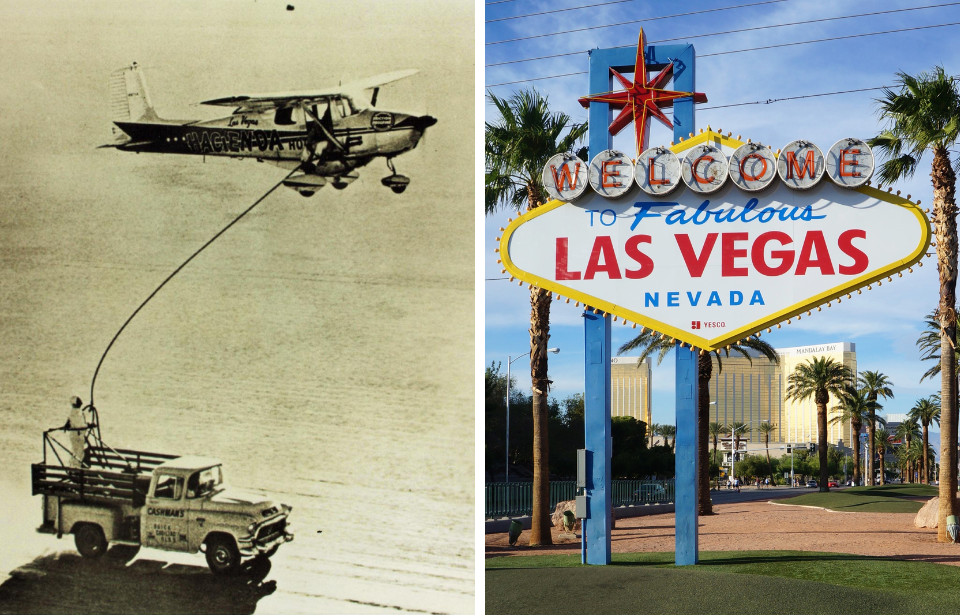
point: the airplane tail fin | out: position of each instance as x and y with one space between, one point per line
129 98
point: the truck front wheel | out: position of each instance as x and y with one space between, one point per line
90 540
223 557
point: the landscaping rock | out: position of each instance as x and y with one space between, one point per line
557 516
927 517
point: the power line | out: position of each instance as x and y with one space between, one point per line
571 8
781 25
723 8
720 53
498 2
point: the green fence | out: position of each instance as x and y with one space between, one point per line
516 499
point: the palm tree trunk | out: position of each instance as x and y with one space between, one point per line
856 452
821 401
945 212
704 372
871 445
539 335
926 466
766 442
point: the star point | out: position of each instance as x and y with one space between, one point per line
641 100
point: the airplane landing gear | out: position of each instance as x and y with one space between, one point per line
396 182
339 185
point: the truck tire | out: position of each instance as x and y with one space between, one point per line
90 540
223 557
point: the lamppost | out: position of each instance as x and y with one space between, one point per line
506 472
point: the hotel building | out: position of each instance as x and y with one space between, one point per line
752 391
630 388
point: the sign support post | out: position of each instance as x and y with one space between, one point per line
596 335
597 328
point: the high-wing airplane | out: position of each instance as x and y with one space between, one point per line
326 134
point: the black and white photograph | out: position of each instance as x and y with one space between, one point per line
237 313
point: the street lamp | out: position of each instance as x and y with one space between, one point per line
510 360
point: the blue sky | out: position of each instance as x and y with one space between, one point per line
883 323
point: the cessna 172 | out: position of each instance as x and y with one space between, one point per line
326 134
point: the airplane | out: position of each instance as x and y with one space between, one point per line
325 134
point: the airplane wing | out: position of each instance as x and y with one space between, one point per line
251 102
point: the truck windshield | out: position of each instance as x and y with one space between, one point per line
204 482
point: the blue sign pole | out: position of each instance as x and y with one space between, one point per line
596 410
597 330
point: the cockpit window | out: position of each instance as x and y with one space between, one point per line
204 482
284 116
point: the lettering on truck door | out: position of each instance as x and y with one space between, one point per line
164 521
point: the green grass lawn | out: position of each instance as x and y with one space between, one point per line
741 582
884 498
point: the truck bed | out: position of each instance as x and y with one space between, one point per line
119 475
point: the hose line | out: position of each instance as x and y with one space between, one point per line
93 382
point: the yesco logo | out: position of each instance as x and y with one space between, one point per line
705 168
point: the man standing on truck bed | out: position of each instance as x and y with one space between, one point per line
76 426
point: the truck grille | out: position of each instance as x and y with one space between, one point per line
271 531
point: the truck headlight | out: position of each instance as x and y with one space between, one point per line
251 527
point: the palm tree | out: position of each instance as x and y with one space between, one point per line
926 411
855 406
819 378
651 342
877 385
881 439
716 429
907 431
766 429
921 116
518 143
669 431
737 429
654 431
929 345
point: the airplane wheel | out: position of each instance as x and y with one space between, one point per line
398 189
306 193
339 185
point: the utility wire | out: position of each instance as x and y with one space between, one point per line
720 53
498 2
610 25
176 271
590 6
780 25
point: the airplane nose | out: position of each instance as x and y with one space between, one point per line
425 121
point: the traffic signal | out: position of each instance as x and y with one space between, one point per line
812 447
789 449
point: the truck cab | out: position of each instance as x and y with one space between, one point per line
189 508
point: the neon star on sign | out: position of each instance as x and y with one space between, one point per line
641 100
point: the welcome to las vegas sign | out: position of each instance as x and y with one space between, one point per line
713 239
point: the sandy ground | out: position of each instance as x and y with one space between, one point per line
747 526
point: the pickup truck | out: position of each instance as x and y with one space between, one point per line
135 498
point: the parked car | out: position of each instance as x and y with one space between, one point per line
812 483
832 483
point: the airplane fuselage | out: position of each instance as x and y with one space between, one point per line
364 135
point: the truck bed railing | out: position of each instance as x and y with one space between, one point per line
67 482
124 460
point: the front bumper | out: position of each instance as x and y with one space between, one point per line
266 537
251 547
